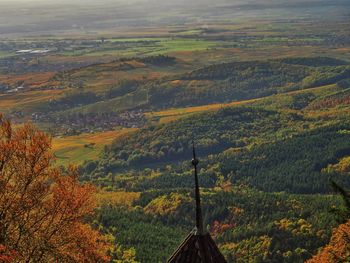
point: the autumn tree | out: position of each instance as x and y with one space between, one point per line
43 212
338 249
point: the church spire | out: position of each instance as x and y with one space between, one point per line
199 218
198 247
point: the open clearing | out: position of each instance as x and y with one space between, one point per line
77 149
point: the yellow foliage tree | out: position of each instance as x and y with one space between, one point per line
42 211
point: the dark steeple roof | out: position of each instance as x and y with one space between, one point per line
198 247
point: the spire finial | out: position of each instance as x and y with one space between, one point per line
199 218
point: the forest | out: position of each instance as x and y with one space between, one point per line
268 166
266 169
101 103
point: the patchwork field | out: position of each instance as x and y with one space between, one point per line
77 149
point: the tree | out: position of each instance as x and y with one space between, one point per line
342 213
43 211
338 249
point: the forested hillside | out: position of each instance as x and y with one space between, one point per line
246 224
101 103
273 147
265 170
214 84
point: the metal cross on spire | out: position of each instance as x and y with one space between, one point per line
199 218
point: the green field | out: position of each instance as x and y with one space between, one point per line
5 54
133 47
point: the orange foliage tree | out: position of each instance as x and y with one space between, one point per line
338 249
43 211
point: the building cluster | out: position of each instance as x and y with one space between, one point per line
72 124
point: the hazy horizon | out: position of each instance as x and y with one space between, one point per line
115 92
48 16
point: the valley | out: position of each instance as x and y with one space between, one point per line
262 89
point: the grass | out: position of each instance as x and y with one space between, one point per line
5 54
77 149
145 46
126 40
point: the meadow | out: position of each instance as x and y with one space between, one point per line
77 149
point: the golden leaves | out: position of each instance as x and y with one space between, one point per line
42 211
